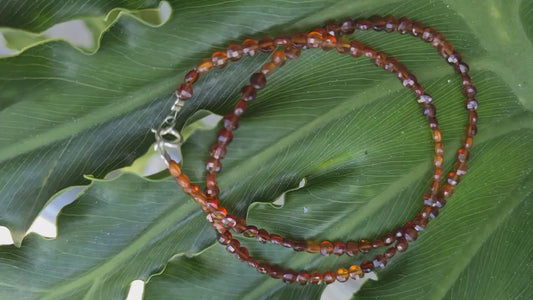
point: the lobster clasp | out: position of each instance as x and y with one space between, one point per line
168 140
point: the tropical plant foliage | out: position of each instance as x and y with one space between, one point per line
69 116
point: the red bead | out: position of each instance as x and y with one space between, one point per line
224 136
191 77
184 91
367 266
231 122
251 231
213 165
248 93
239 108
339 248
316 278
258 80
217 151
352 248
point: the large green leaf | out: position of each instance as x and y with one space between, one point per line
346 127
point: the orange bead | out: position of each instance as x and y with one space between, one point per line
355 272
329 42
314 39
342 275
268 68
278 58
249 47
219 59
204 65
174 168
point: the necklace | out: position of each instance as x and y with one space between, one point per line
327 38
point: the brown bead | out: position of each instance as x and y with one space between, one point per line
191 77
224 237
369 52
333 27
326 248
460 168
470 104
263 236
367 266
224 136
377 243
258 80
391 65
454 59
329 277
471 130
234 52
183 181
213 165
391 24
380 59
248 93
352 248
252 262
390 252
219 59
329 42
212 192
302 277
184 91
312 247
217 151
461 68
380 261
437 135
231 122
405 26
426 210
268 68
229 221
174 169
410 234
418 28
429 110
316 278
437 160
287 243
276 272
348 26
242 254
453 179
447 191
445 49
363 24
339 248
462 155
427 34
343 45
276 239
410 81
204 65
433 123
342 275
266 44
469 91
364 246
355 272
249 47
437 175
401 245
420 223
264 268
282 40
314 40
419 93
251 231
439 149
299 246
289 276
438 38
292 52
356 48
299 40
240 226
278 58
388 239
233 245
424 98
434 212
239 108
378 23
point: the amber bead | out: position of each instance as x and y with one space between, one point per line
388 239
424 98
249 47
287 243
363 24
266 44
312 247
427 34
347 26
316 278
437 175
224 136
191 77
437 160
390 252
470 104
401 245
204 65
342 275
276 272
405 26
252 262
239 108
234 52
263 268
183 181
447 191
420 223
276 239
184 91
233 245
231 122
339 248
469 91
242 254
314 39
224 237
367 266
282 40
240 226
437 135
438 38
352 248
263 236
445 49
429 110
211 191
355 272
213 165
229 221
471 130
439 148
217 151
326 248
174 168
377 243
219 59
378 23
248 93
299 40
329 277
460 168
410 234
380 261
299 246
369 52
365 246
391 24
332 27
258 80
329 42
278 58
213 203
292 52
289 276
302 277
268 68
391 65
462 155
418 28
453 179
356 48
251 231
380 59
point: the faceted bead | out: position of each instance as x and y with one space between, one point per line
420 223
439 149
355 272
348 26
191 77
356 48
470 104
390 252
312 247
433 123
234 52
292 52
405 26
377 243
258 80
339 248
213 165
462 155
418 28
229 221
233 245
266 44
466 80
239 108
204 65
314 40
379 261
427 34
367 266
211 191
278 58
388 239
231 122
378 23
342 275
471 130
252 262
333 27
276 272
429 110
410 81
184 91
329 277
352 248
219 59
462 68
268 68
369 52
434 212
288 243
437 39
402 73
276 239
391 24
447 191
263 236
224 136
437 161
249 47
282 40
251 231
289 276
302 277
453 179
401 245
326 248
454 58
218 227
217 151
329 42
460 168
174 169
240 227
425 98
380 59
365 246
469 91
445 49
437 135
242 254
299 40
391 65
263 268
426 210
316 278
410 234
248 93
224 237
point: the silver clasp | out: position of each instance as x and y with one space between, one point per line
167 139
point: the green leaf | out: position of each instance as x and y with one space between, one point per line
350 130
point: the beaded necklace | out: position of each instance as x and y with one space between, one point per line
327 38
